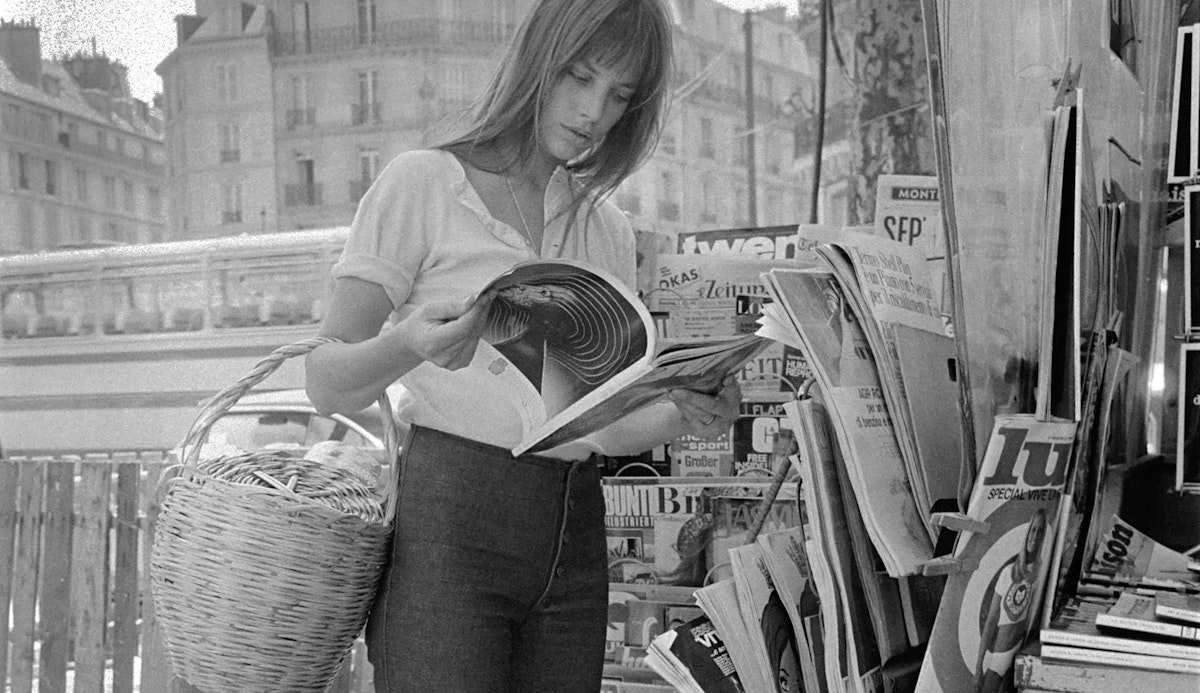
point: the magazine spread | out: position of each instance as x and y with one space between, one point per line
587 351
908 210
987 612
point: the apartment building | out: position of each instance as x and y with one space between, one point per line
279 114
84 161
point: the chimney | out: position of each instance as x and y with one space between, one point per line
21 50
97 71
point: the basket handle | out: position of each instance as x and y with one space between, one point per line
220 403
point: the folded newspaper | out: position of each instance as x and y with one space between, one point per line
584 351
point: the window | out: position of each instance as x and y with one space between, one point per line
367 109
709 199
102 139
21 170
227 82
110 192
81 184
300 30
368 164
707 151
128 197
366 21
154 202
231 147
231 203
301 113
668 197
51 177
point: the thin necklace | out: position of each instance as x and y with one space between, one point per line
513 193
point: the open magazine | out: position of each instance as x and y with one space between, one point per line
586 352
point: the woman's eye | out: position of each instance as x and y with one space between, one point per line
581 77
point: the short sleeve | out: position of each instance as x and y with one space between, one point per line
389 237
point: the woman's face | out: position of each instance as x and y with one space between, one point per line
584 104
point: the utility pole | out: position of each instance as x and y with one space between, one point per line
751 182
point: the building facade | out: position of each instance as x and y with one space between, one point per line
280 114
84 162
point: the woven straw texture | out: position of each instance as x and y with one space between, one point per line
264 565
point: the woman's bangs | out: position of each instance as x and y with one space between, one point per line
629 40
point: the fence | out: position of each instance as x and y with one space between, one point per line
75 597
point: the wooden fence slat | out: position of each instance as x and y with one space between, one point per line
89 579
125 573
156 670
8 536
54 596
31 485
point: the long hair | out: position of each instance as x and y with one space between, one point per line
555 35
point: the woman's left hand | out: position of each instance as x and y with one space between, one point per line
708 416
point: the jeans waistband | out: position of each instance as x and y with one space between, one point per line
451 441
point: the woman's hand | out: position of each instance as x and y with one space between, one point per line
708 416
446 333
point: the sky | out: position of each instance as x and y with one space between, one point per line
138 33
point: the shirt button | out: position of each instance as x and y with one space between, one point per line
560 571
566 539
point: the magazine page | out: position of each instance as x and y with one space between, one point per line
836 349
989 607
771 638
879 623
702 370
889 289
579 336
784 554
719 601
862 655
837 652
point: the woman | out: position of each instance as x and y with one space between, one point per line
498 579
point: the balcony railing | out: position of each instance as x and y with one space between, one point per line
302 194
399 33
365 113
231 217
230 155
301 117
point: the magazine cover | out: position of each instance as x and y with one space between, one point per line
908 210
986 613
767 242
674 531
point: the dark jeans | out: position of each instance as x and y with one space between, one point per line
497 580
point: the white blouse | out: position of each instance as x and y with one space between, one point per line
423 234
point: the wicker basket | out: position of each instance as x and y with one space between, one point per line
264 565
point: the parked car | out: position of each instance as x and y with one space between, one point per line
285 419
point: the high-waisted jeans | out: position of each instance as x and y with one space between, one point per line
497 580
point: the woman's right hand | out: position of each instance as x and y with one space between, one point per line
446 333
